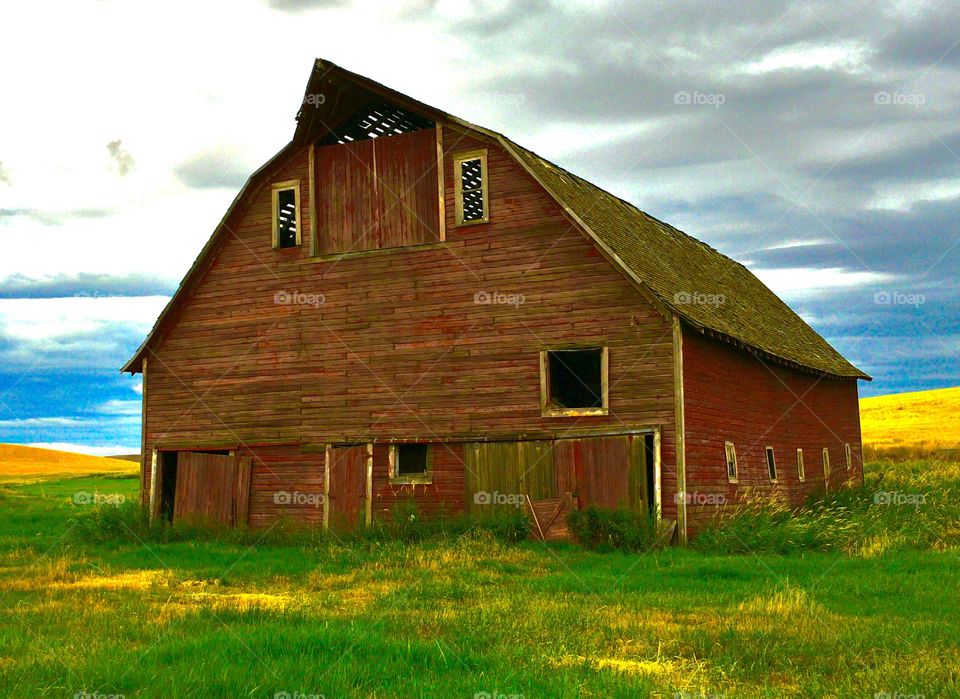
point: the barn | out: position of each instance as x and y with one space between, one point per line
404 307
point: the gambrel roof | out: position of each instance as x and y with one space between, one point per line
681 275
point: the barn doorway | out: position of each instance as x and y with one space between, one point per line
551 477
204 487
652 467
348 482
168 484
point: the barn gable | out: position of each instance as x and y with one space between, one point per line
672 269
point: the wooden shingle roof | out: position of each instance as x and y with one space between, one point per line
704 287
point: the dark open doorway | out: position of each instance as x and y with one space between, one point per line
650 460
168 484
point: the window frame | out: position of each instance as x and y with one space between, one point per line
825 457
771 458
393 461
548 409
801 469
848 455
729 449
275 190
462 157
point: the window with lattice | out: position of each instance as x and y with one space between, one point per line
286 219
470 176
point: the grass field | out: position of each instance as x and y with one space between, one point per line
923 421
18 462
471 617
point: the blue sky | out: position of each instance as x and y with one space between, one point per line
816 142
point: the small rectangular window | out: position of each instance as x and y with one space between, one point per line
286 214
826 464
848 455
470 178
574 381
410 463
801 474
771 464
731 456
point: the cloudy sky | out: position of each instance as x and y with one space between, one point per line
817 142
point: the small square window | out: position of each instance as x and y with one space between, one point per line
771 465
801 474
286 214
731 456
410 463
574 381
848 455
470 177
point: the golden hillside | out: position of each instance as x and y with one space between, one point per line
925 419
17 460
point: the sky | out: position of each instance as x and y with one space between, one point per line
816 142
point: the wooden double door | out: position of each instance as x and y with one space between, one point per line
205 488
611 471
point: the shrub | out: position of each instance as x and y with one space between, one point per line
509 526
607 529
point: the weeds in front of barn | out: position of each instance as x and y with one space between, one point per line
458 615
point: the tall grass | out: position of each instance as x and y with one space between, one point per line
900 505
129 522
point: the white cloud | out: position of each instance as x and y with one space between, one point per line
120 407
102 450
792 282
68 422
788 244
805 56
44 422
40 321
902 195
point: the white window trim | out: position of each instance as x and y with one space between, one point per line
549 410
825 455
768 452
730 450
395 479
848 455
276 188
481 155
801 470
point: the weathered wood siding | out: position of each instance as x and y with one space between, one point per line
730 395
286 485
271 346
444 495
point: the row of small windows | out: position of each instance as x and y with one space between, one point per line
730 453
472 203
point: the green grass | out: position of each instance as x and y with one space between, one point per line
457 615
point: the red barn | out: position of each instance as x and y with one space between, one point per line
403 306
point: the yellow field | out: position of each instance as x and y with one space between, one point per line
919 420
18 462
